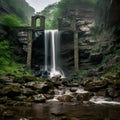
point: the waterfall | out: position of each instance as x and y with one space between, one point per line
53 50
55 70
46 49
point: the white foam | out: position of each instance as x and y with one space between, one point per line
82 91
102 100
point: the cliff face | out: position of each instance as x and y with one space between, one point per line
5 8
19 8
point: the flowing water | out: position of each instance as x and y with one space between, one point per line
98 108
46 49
54 37
68 111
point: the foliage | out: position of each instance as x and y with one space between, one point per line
10 20
66 5
50 12
21 9
4 53
113 71
57 10
7 62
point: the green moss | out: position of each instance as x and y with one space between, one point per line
115 69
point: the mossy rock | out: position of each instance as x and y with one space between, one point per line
29 78
96 85
10 91
5 79
2 109
8 114
3 100
24 79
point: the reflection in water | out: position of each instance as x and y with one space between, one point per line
69 111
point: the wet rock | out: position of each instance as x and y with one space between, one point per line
73 84
2 109
40 98
84 96
21 98
29 78
57 113
23 119
48 96
18 80
101 92
95 85
91 73
3 99
56 82
28 92
73 89
10 91
44 88
11 102
64 118
113 92
8 114
66 98
5 79
74 118
117 99
24 79
41 87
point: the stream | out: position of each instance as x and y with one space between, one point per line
66 111
97 108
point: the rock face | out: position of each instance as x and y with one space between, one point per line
84 23
105 87
96 85
7 8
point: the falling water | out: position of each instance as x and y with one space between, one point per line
53 36
55 70
53 50
46 49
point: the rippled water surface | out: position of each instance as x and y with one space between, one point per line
66 111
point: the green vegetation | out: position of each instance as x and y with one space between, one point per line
8 60
50 14
21 9
57 10
114 71
10 21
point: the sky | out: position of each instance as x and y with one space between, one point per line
39 5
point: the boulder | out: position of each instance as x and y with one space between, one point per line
41 87
101 92
3 99
84 96
28 92
5 79
10 91
24 79
66 98
40 98
57 113
113 92
8 114
95 85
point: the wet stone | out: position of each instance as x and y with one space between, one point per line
8 114
40 98
57 113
